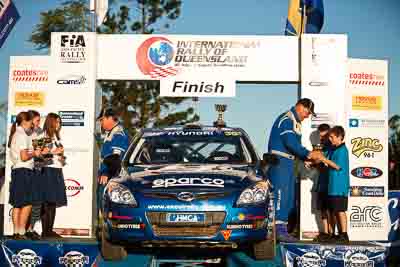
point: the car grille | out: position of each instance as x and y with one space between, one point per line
197 196
209 227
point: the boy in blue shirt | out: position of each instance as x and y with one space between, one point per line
339 182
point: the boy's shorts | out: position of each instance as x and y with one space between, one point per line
337 203
322 201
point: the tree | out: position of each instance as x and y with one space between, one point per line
138 102
394 152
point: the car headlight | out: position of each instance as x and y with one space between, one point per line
254 194
120 194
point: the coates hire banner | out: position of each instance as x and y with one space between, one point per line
367 141
8 18
238 58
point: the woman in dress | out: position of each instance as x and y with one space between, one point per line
54 189
22 195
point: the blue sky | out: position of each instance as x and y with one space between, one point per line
373 29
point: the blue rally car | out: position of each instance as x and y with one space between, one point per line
193 186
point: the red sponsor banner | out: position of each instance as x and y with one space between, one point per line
30 75
370 79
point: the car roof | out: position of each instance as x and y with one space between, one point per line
191 128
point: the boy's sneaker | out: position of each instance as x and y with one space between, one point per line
342 238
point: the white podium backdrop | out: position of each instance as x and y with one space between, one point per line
63 83
323 70
352 93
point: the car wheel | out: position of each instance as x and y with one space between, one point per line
265 250
110 251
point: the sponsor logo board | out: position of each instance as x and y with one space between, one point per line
73 187
29 99
372 103
366 217
30 75
366 123
369 79
72 80
72 118
365 146
367 191
72 48
366 172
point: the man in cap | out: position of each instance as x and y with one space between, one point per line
114 146
285 144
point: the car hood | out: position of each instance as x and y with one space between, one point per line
183 176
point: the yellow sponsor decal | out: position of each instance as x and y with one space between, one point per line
29 99
232 133
366 102
362 145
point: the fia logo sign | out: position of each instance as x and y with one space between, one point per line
72 48
72 41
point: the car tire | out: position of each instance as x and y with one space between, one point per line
109 251
266 249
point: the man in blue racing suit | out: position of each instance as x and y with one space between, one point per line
113 149
285 143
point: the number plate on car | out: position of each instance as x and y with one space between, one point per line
186 217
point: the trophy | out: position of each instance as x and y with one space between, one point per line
45 159
318 147
62 158
220 108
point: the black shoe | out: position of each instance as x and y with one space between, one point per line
51 234
32 235
19 237
342 238
323 237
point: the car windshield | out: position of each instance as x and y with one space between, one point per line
192 147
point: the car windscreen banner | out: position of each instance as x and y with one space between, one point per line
34 254
298 255
8 18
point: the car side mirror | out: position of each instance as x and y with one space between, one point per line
270 159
